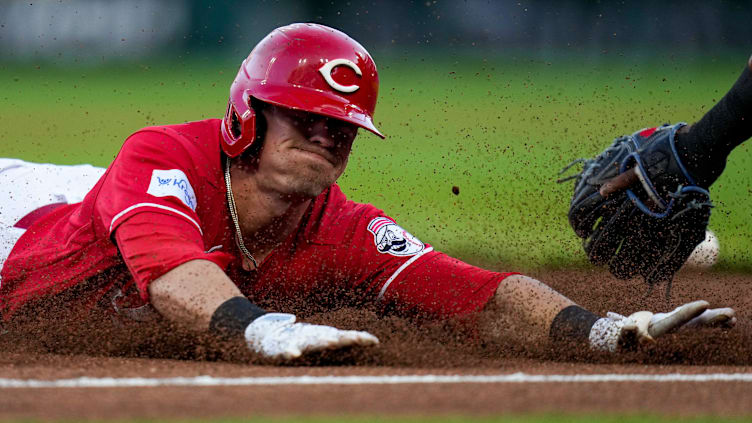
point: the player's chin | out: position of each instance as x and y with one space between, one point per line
311 184
319 173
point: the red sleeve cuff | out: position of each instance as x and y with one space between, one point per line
440 286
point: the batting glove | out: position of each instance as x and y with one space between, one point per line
712 318
616 332
278 336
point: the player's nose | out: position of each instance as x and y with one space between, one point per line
321 134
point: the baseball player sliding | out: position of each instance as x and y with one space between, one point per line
201 222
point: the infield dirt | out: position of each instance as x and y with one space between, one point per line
406 348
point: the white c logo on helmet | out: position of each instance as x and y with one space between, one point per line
326 71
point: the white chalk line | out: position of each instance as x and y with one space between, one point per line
108 382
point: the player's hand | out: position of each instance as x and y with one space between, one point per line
278 336
644 327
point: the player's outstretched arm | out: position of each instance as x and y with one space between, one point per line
537 313
199 295
191 293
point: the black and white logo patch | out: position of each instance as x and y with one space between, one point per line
390 238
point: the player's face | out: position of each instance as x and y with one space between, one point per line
303 153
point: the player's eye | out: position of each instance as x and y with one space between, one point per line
341 129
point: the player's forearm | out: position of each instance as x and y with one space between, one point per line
522 308
191 293
532 313
728 124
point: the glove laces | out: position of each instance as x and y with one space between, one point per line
590 166
691 205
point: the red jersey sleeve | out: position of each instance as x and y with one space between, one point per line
408 276
371 254
154 172
437 285
149 200
152 244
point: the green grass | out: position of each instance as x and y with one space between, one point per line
498 131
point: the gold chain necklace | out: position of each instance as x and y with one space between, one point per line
234 215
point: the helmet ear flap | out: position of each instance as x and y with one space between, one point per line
247 124
238 129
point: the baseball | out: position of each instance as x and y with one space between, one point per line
706 252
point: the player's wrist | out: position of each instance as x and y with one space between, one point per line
576 325
232 318
703 158
572 324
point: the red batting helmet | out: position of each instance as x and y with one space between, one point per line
307 67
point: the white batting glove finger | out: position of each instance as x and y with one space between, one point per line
641 329
319 338
305 338
289 352
278 336
724 318
346 338
364 339
662 323
360 338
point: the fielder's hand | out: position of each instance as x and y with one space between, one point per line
619 332
278 336
637 208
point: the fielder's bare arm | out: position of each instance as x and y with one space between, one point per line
207 221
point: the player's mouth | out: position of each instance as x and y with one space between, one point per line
319 154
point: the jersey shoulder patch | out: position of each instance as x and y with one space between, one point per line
172 183
390 238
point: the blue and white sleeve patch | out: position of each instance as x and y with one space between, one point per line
172 183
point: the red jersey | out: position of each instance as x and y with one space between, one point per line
166 190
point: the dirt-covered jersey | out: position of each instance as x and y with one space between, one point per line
166 190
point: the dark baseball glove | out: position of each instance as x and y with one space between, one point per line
637 208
